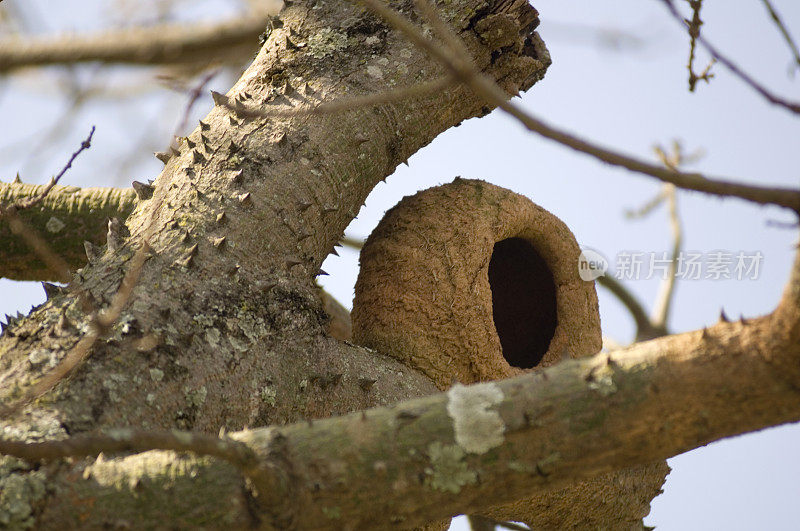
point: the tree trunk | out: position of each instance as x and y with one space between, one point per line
224 329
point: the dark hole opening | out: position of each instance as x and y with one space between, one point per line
523 302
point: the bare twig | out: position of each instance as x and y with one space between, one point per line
33 201
464 71
194 95
645 329
730 65
129 440
666 291
784 32
694 32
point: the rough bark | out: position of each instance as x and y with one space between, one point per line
224 328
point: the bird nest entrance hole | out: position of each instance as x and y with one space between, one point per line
523 302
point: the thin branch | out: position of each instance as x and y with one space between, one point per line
666 290
131 440
730 65
463 70
157 45
28 203
338 105
694 32
58 267
644 327
354 243
784 32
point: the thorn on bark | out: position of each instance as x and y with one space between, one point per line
221 217
704 335
321 273
218 242
233 147
51 290
163 156
17 180
742 320
175 151
288 89
722 317
204 139
292 261
204 126
334 252
185 261
366 383
232 120
113 236
191 143
279 138
143 191
267 285
237 177
219 99
244 198
307 89
92 251
197 157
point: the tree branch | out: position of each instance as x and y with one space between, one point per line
157 45
445 454
68 215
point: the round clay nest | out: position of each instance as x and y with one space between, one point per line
471 282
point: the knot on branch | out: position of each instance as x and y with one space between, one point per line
470 282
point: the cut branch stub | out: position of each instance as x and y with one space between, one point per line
470 282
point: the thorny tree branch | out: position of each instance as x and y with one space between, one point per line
463 70
100 321
730 65
57 264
